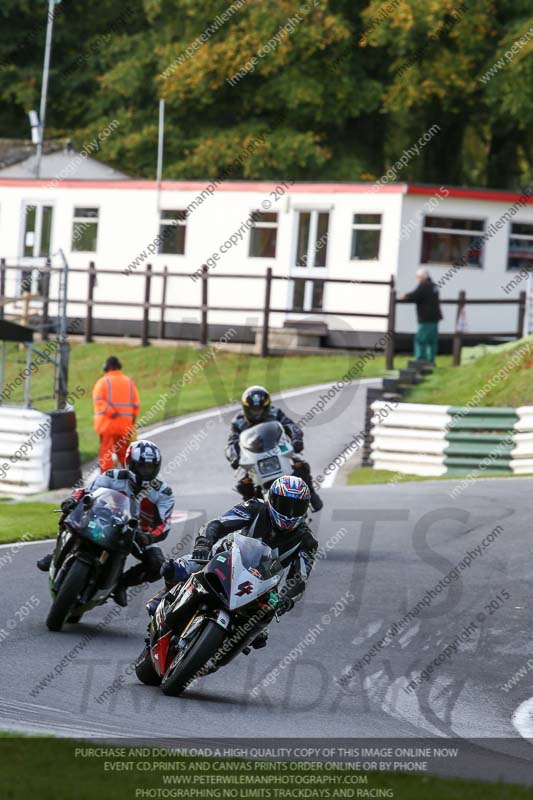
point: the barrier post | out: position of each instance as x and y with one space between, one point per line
266 313
204 332
163 303
391 326
90 294
522 305
2 286
146 308
459 327
45 294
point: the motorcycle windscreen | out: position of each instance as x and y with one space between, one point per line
253 570
261 438
104 521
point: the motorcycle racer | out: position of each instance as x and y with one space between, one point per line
256 408
154 502
280 522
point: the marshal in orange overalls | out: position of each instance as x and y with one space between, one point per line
116 406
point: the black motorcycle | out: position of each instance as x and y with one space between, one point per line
216 614
92 547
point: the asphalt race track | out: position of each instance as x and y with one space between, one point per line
383 549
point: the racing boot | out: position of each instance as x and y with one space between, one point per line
44 563
260 641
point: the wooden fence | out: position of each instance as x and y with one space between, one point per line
89 302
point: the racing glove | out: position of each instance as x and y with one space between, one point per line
143 538
298 445
285 604
201 549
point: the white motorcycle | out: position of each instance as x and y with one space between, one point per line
266 454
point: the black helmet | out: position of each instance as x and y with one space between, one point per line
143 458
255 403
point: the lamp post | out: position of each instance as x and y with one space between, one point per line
44 87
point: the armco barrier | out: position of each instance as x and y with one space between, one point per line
436 440
25 450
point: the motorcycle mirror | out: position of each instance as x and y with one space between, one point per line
87 500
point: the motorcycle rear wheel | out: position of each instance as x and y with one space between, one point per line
145 670
195 656
73 584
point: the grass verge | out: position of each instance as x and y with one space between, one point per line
55 769
209 381
502 377
27 521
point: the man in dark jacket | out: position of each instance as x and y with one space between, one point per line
426 297
256 408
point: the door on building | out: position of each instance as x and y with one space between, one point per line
36 243
309 260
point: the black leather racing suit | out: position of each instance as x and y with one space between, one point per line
295 549
240 423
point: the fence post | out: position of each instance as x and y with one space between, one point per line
2 285
459 326
163 304
266 313
204 332
522 305
45 293
391 327
146 310
90 294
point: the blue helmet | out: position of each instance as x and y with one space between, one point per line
288 502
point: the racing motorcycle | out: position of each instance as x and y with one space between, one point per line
204 623
92 547
266 454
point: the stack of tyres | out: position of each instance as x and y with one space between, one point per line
66 466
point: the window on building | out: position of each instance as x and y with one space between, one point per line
452 240
520 254
263 235
85 230
172 228
366 237
312 241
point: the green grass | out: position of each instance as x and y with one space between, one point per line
458 385
155 369
28 520
365 476
49 769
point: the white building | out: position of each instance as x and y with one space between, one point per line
303 230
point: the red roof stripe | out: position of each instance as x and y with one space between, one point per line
495 195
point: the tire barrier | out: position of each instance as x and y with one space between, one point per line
433 440
65 455
25 451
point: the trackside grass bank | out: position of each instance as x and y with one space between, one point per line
55 769
199 378
502 377
27 521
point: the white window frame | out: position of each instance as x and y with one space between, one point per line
455 232
263 224
366 226
85 221
528 237
173 223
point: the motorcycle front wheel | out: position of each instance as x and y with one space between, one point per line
73 584
194 656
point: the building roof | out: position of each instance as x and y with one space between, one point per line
454 192
60 160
